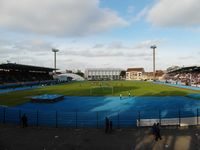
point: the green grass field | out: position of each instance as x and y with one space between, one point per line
90 88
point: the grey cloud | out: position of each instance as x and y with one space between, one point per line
105 53
146 44
60 17
178 13
98 46
117 45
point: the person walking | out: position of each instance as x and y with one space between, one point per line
154 129
158 132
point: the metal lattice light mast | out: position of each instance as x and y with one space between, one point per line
55 51
154 59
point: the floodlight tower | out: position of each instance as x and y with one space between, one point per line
55 51
154 65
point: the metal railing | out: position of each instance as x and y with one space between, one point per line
10 115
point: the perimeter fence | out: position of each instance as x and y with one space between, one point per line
189 116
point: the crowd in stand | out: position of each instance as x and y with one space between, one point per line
13 77
191 79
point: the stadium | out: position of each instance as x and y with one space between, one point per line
34 91
67 100
99 75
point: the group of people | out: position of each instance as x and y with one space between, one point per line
156 131
129 95
108 125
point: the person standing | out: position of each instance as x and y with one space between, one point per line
129 94
24 121
120 96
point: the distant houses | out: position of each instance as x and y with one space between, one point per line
140 74
134 73
116 74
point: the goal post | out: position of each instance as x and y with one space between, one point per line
101 90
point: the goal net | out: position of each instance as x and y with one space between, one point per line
99 90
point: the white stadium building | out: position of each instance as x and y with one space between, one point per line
103 73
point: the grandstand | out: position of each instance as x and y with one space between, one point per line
12 73
185 75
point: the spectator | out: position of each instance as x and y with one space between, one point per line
158 132
154 129
24 121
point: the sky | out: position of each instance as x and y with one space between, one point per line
100 33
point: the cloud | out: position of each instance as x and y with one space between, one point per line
98 46
175 13
60 17
117 45
140 15
147 43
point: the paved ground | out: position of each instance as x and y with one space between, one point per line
17 138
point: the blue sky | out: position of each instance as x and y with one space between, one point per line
100 33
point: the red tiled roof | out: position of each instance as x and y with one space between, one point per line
135 69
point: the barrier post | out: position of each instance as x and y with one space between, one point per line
56 119
37 119
97 120
76 120
118 123
19 117
197 116
179 116
4 115
139 118
159 117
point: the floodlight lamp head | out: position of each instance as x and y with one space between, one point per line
54 50
153 47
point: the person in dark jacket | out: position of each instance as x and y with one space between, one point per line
158 132
24 121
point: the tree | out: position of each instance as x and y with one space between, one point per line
80 73
123 73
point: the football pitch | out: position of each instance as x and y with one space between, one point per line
96 88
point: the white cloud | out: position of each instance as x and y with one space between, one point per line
178 13
141 14
148 43
58 17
